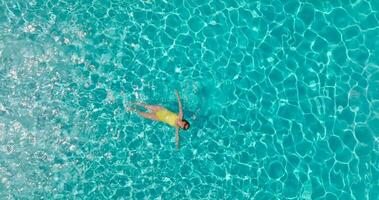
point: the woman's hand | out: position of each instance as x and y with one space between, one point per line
180 106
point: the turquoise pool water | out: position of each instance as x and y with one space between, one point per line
282 97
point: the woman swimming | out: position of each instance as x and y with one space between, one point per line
160 113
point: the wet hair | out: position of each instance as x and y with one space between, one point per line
186 125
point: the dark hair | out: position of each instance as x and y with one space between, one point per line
186 125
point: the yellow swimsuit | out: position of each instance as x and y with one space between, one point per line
168 117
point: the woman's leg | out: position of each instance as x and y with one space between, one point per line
146 115
151 116
153 108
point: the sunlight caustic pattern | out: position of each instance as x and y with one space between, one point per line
282 96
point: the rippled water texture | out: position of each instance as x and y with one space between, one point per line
282 96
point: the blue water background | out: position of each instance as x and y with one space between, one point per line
282 97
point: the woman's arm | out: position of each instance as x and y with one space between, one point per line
180 106
177 138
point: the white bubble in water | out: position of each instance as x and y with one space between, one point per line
5 182
16 126
66 40
178 70
32 3
339 108
135 46
354 109
2 131
13 74
254 13
81 34
108 155
110 98
2 109
313 85
30 28
137 95
52 18
74 58
227 176
130 183
145 37
72 148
